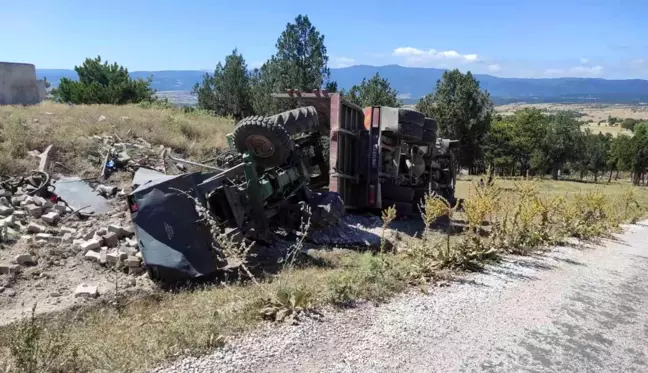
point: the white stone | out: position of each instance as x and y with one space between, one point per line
86 291
36 228
25 259
50 217
6 210
33 210
93 256
90 245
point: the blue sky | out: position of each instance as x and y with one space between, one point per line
530 38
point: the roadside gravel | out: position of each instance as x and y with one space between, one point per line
571 310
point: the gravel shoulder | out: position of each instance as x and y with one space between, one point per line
575 309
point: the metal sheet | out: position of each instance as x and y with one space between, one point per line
78 193
144 175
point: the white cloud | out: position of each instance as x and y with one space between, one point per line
420 57
494 68
342 61
584 61
576 71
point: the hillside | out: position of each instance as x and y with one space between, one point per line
413 83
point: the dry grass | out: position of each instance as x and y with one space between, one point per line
69 128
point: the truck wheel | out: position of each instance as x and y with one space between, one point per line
429 131
411 116
396 192
430 125
410 132
269 143
298 120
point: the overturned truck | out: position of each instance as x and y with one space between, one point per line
328 155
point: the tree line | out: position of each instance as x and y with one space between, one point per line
529 142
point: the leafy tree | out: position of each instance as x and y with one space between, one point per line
562 142
227 91
499 148
103 83
374 92
595 153
463 112
639 163
301 62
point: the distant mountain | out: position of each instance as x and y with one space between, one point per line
413 83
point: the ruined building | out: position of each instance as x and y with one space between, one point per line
19 86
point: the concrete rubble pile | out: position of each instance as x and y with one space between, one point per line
42 224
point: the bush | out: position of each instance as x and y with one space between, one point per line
103 84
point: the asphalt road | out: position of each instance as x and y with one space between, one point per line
573 310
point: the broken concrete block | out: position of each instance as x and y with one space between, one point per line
25 260
92 244
7 269
111 239
33 210
86 291
89 235
128 251
132 243
9 221
20 215
51 217
93 256
4 201
133 262
5 193
68 230
37 200
101 232
107 190
120 231
43 236
136 271
17 200
36 228
103 252
113 257
60 208
6 210
67 237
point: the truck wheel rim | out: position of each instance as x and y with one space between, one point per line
260 145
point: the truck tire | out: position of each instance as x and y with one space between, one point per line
269 143
397 192
410 132
403 209
411 116
297 121
430 125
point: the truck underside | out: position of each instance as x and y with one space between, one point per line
313 162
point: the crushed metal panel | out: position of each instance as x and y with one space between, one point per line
143 175
173 243
78 193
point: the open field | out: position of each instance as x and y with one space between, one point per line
596 114
143 332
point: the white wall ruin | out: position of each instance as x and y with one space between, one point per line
19 86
